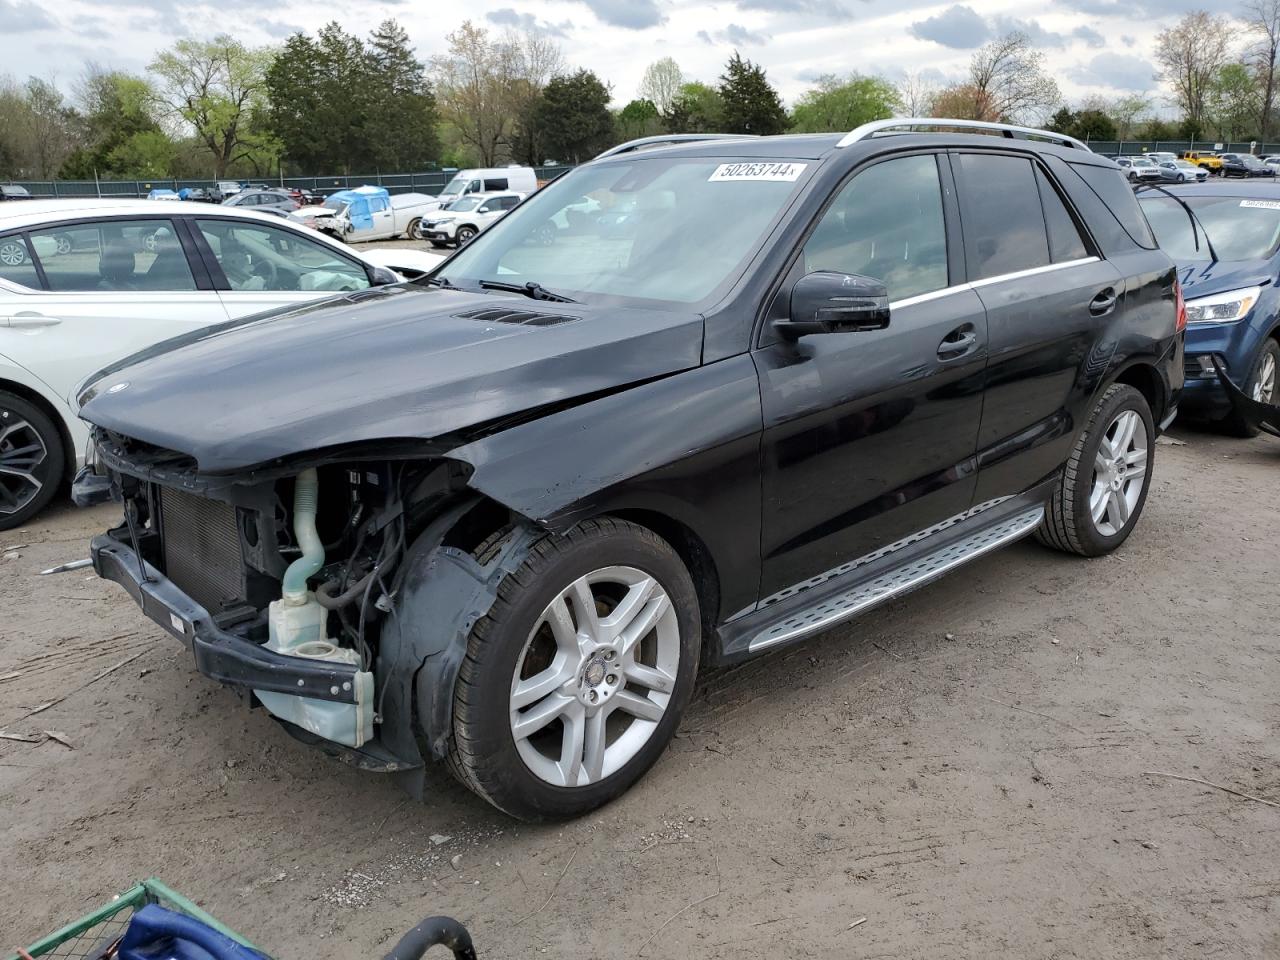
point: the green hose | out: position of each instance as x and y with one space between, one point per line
305 494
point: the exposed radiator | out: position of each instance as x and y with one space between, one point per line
202 549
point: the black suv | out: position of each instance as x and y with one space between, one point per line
689 403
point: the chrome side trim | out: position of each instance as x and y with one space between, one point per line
899 581
868 130
988 281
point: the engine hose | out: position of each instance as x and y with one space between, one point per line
305 495
432 931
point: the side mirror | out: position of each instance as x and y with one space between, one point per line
382 276
485 209
827 302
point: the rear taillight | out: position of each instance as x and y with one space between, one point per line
1181 304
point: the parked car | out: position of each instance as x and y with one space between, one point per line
462 220
1204 158
263 200
162 193
1182 171
225 188
1245 165
522 180
12 191
1160 156
499 515
305 198
367 213
1226 242
84 282
1138 168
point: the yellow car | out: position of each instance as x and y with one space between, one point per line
1210 161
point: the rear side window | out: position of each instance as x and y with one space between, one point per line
1113 190
16 264
1065 242
113 255
1003 224
497 183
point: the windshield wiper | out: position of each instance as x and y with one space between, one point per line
532 290
1197 227
440 282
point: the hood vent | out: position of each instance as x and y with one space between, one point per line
525 318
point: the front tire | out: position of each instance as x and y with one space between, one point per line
466 235
1261 386
575 680
12 253
1105 481
31 460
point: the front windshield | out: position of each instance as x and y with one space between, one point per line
455 186
646 227
1239 228
333 203
466 203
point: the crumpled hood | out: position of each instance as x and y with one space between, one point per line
313 211
1202 278
391 362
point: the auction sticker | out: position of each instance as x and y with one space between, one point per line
1262 204
784 172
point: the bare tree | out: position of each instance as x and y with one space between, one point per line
472 82
1007 78
534 58
1262 19
1125 112
661 84
1190 54
918 94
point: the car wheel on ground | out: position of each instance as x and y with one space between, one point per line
1260 386
31 460
413 229
575 680
466 235
12 253
1104 484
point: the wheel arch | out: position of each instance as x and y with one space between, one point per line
38 399
1145 378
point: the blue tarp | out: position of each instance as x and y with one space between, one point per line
358 210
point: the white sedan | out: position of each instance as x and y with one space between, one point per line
84 283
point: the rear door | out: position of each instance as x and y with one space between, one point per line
870 436
1049 297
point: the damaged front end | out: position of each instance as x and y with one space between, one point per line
1255 413
337 593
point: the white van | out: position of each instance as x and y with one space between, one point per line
490 180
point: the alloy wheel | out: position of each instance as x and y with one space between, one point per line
1264 387
63 245
12 254
595 677
1119 472
22 450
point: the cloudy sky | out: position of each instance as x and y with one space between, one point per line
1092 46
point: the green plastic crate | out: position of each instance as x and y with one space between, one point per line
94 932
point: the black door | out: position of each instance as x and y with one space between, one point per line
1049 300
870 436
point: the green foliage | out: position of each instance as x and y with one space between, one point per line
698 109
1087 124
836 104
751 104
122 138
574 116
401 126
639 118
1233 103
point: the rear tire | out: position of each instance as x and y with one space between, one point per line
1261 386
560 707
411 231
32 461
1100 475
12 253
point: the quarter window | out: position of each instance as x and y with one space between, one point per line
113 255
259 257
1065 242
1114 191
886 223
496 184
1003 223
16 264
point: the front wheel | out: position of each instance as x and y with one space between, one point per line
12 253
31 460
1261 386
1105 481
574 681
466 235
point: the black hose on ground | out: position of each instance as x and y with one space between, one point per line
444 931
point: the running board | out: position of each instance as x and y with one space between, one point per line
898 581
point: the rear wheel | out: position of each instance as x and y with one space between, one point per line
12 253
1105 481
63 244
412 229
1261 386
575 680
31 460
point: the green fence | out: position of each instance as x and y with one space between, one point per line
432 183
1138 147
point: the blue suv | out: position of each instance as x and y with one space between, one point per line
1225 238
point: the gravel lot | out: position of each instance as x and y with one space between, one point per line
966 769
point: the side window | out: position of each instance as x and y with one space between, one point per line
474 186
113 255
16 264
1003 227
259 257
1065 242
886 223
377 204
1112 189
497 183
509 203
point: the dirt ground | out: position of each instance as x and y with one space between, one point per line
969 769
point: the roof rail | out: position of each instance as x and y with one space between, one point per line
868 130
631 146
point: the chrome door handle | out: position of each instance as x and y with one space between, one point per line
33 320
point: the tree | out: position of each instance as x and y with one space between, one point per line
836 104
50 127
1232 103
122 136
214 86
916 94
1125 112
964 101
1262 19
473 89
1007 79
751 104
1190 54
661 85
639 118
534 59
698 109
401 126
574 116
1093 125
1062 121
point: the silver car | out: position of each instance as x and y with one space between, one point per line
1182 171
268 200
